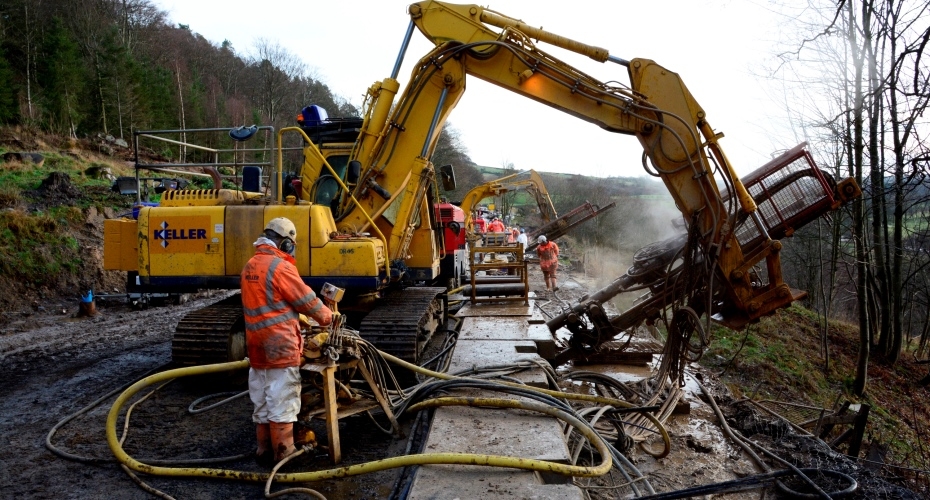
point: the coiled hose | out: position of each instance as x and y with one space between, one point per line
378 465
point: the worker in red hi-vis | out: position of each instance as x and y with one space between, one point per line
548 253
273 296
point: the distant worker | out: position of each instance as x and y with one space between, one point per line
513 235
272 296
521 239
496 226
548 253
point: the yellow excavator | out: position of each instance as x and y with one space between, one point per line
527 180
364 203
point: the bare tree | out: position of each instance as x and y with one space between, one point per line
878 50
277 68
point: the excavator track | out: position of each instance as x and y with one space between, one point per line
213 334
404 321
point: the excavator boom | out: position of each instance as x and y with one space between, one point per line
656 107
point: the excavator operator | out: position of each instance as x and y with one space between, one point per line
273 297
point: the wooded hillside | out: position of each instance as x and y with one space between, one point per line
80 67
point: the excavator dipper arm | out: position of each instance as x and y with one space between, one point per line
657 108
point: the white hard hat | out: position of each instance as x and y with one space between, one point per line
542 238
283 227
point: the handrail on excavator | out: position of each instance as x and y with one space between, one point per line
316 151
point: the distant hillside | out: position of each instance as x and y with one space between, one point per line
636 186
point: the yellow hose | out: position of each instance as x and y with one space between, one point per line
619 403
586 431
352 470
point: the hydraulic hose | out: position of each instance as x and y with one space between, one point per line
352 470
745 445
525 463
274 471
558 394
71 456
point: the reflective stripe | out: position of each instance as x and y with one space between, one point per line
258 311
313 310
269 281
306 299
289 315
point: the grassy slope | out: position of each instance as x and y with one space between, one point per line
781 360
50 240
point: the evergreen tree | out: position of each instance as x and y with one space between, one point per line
60 75
8 109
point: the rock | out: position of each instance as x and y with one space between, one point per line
113 140
24 157
100 172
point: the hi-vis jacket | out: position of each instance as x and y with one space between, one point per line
272 296
548 253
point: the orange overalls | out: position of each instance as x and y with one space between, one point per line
272 296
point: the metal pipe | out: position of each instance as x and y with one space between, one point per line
622 62
179 172
432 125
403 51
186 165
604 294
179 143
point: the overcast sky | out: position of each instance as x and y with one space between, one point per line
716 46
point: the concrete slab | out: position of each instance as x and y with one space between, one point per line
509 328
449 482
494 328
471 353
497 310
542 337
509 433
489 341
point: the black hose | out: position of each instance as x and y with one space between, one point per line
62 422
425 390
756 481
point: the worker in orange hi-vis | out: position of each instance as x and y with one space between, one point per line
548 253
496 226
273 296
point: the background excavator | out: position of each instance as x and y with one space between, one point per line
528 181
363 199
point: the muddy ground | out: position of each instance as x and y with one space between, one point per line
54 365
61 364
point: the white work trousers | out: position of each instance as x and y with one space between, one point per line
275 392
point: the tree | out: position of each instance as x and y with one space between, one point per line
871 106
61 77
450 150
8 111
277 69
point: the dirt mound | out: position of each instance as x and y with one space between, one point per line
57 189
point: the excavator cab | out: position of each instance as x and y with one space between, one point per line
325 189
335 137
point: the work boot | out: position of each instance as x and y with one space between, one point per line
263 454
282 439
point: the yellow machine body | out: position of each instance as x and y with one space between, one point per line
207 246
